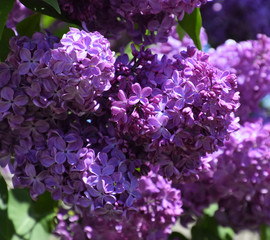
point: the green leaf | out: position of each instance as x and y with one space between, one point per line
5 8
181 32
177 236
3 194
225 233
210 211
43 207
54 4
29 26
4 43
18 207
47 7
32 220
47 21
265 232
41 6
6 226
207 228
192 26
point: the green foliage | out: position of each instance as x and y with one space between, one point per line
47 21
192 24
54 4
29 26
177 236
30 219
5 8
181 32
210 211
47 7
4 43
6 226
265 232
207 228
21 218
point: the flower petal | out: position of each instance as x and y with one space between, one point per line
7 93
60 157
136 88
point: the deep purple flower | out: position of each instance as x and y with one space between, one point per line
143 21
183 95
29 62
10 100
99 195
32 178
238 180
18 13
66 148
116 184
159 125
141 94
102 172
183 108
5 74
157 209
83 67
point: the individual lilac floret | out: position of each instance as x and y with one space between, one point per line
239 182
250 61
17 14
82 66
148 21
157 209
174 45
222 19
178 110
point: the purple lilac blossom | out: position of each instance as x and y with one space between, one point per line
154 213
242 176
67 76
174 45
177 110
82 67
18 13
239 181
148 21
235 19
250 61
54 147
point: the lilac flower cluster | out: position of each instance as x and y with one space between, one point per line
155 211
235 19
174 45
18 13
53 140
82 66
148 21
198 195
250 61
243 170
240 180
47 139
177 110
